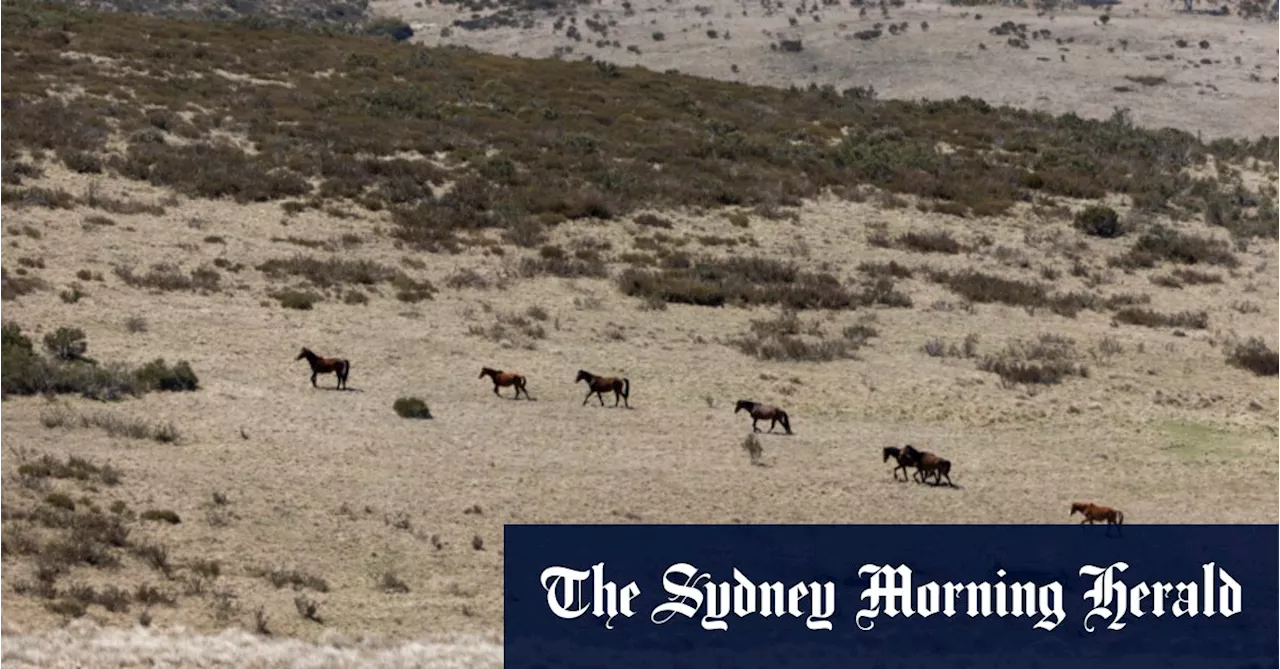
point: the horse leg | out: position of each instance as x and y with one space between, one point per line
754 427
313 380
587 398
773 422
495 390
600 396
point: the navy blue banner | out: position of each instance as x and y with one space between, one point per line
845 596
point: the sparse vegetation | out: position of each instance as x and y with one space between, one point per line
114 425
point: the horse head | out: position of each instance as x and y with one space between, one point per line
583 375
743 404
485 371
891 452
1078 507
305 352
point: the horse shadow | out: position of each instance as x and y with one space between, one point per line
340 390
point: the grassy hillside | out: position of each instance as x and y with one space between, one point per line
1064 308
216 110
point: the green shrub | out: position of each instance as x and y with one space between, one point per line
411 407
1099 221
156 375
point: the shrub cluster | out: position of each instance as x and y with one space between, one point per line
66 369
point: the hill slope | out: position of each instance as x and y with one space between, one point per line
1067 309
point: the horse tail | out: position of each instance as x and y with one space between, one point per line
786 422
626 388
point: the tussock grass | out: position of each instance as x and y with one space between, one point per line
112 424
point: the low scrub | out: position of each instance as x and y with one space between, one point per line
66 369
788 338
1165 244
981 287
738 281
1196 320
338 272
168 277
1046 361
1254 355
411 407
14 286
1099 221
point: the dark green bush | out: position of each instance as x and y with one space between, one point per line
411 407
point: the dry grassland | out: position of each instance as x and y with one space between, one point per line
1056 340
1143 56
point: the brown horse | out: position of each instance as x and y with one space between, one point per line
338 366
503 379
902 460
761 412
1094 513
927 463
598 385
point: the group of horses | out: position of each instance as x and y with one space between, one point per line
927 465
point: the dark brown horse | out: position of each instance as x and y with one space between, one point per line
927 464
598 385
1094 513
503 379
903 461
340 367
761 412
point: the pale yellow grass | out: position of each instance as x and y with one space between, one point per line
318 480
89 646
1218 99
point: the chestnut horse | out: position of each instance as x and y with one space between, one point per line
503 379
927 463
1094 513
340 367
761 412
903 462
598 385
